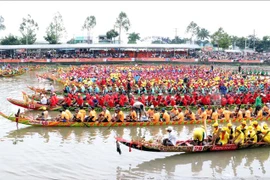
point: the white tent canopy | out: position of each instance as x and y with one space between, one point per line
101 46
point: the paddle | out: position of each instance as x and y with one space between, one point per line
118 147
85 124
264 136
17 115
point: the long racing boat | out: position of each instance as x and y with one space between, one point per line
185 146
51 123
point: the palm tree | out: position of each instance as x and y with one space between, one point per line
89 23
122 22
133 37
203 34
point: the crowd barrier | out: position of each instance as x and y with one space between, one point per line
85 60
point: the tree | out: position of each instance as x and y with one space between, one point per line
71 41
241 42
89 24
178 40
122 22
263 45
55 30
112 34
28 30
234 40
2 26
203 34
158 42
11 40
193 28
221 39
133 37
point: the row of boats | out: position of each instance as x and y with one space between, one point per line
182 146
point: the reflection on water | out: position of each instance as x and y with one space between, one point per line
215 164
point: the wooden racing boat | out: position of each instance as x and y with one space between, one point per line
31 121
37 97
33 105
185 146
43 90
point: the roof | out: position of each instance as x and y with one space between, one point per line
101 46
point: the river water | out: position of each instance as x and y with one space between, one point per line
90 153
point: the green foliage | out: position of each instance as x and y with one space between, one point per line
71 41
11 40
193 29
221 39
133 37
203 34
178 40
28 30
2 26
263 45
112 34
158 42
55 30
122 21
89 23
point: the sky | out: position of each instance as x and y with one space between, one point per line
149 18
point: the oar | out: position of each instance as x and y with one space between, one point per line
118 149
264 136
17 115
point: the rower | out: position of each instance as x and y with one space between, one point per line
43 100
156 116
239 114
223 137
132 117
227 114
220 112
247 113
257 129
191 116
209 112
174 113
92 117
165 116
180 116
251 137
230 131
239 136
171 139
120 117
105 115
243 127
266 134
150 112
214 133
203 115
63 116
214 115
259 113
198 135
68 113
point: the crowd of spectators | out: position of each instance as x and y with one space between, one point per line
201 55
